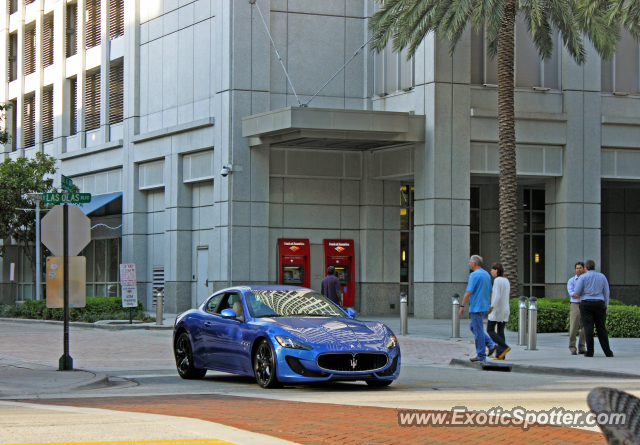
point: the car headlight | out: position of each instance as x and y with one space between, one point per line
288 342
391 342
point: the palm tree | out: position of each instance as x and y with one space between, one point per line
408 22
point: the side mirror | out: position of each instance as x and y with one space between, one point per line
351 313
228 313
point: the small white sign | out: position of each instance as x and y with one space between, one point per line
129 296
12 271
52 275
128 275
54 267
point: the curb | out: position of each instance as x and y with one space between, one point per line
97 325
536 369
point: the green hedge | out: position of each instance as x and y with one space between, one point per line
96 308
553 316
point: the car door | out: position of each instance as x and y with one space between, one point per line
227 334
208 328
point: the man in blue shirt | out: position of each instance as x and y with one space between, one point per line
330 286
575 322
478 295
592 289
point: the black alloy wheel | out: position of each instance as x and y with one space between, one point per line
378 383
184 359
264 366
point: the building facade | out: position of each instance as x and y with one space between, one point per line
143 102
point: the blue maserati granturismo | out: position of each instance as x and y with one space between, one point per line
283 334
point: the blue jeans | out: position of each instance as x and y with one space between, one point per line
482 339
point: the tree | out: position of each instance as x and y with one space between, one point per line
408 22
17 178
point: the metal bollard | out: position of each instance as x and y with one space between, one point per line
533 323
455 316
159 307
403 314
522 322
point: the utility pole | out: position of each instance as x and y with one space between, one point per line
37 197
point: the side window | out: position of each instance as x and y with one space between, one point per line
232 301
212 303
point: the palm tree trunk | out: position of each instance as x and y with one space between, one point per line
507 136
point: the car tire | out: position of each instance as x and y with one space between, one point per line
183 352
264 365
379 383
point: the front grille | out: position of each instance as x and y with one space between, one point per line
363 361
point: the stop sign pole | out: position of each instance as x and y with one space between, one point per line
66 362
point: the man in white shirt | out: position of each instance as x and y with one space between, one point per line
575 321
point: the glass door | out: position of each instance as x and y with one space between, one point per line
406 242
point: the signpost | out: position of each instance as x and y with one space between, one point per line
66 184
61 219
129 289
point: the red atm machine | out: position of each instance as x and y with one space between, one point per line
340 253
293 262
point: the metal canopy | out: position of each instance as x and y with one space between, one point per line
331 128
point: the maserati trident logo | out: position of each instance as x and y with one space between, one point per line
354 363
340 249
294 248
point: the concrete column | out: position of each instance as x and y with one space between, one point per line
82 72
442 178
4 63
104 70
177 267
573 200
39 74
20 78
131 103
61 87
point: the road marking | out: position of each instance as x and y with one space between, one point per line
145 442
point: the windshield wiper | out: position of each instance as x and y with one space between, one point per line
269 315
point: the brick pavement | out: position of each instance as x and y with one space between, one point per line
326 424
129 350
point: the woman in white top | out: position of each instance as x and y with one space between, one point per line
499 310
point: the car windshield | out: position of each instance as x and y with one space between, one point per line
290 303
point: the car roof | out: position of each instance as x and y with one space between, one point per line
272 287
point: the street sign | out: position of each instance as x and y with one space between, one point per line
129 296
79 230
128 275
66 184
71 198
77 281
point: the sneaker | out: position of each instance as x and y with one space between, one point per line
574 352
492 350
582 352
586 354
497 358
609 354
476 359
504 354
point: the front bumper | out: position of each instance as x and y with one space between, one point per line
303 368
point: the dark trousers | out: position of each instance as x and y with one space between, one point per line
497 337
594 312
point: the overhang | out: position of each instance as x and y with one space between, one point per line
99 201
332 128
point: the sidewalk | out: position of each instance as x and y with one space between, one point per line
553 350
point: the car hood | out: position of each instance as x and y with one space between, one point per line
334 332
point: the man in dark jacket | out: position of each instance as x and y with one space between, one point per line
330 287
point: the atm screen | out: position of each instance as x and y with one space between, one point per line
292 275
342 273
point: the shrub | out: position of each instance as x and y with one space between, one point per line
94 309
553 316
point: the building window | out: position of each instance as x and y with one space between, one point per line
13 113
47 42
92 102
407 192
26 288
72 29
28 2
29 121
103 267
530 70
29 51
13 6
93 24
533 229
13 57
47 115
73 91
475 221
116 18
116 90
621 74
